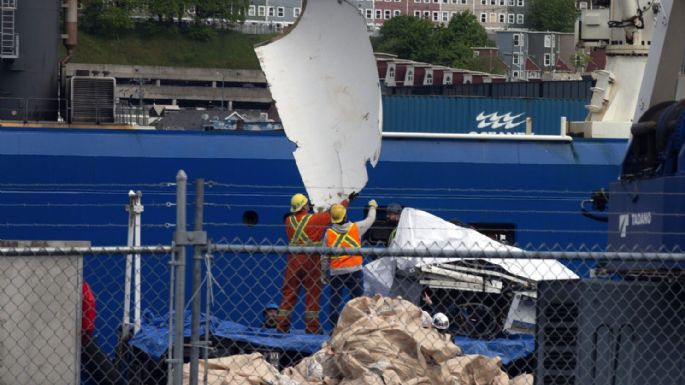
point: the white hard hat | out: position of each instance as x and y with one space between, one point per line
425 320
440 321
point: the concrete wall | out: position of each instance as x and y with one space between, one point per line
221 84
40 321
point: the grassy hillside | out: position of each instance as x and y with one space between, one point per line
227 49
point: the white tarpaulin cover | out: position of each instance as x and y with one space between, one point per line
323 77
421 229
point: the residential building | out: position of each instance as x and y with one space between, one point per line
449 8
517 14
272 14
492 14
427 9
520 49
584 4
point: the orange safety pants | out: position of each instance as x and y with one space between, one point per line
301 270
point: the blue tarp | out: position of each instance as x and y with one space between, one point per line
296 340
153 339
508 349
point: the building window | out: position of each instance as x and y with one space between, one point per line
464 2
483 2
582 5
519 19
396 12
483 17
251 10
391 72
436 16
429 78
511 18
512 3
516 59
502 2
260 10
379 14
548 60
448 79
445 16
518 40
426 14
281 12
410 76
272 11
515 74
520 3
501 17
296 11
386 14
417 13
369 14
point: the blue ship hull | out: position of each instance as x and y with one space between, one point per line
72 184
536 186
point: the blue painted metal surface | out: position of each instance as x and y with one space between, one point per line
480 115
647 214
536 186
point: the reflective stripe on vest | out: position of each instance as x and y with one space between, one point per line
300 238
350 239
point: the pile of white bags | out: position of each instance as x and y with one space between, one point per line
378 341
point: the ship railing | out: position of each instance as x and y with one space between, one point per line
58 111
132 115
9 4
32 110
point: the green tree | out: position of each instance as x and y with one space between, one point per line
455 41
417 39
407 37
553 15
108 18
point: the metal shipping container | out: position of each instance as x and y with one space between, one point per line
571 89
461 115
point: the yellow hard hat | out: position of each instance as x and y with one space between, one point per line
297 202
338 212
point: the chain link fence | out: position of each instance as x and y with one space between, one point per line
440 305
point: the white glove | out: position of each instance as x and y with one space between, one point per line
372 203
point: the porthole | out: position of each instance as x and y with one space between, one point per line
250 218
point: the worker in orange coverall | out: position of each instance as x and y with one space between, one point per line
304 229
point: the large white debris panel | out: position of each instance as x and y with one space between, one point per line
419 229
323 77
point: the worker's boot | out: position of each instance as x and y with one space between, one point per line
283 320
312 325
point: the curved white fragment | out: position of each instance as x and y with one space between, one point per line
323 77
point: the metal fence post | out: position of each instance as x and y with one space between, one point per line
181 184
197 276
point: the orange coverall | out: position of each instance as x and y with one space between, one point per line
303 269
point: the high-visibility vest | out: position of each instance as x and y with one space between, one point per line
300 237
350 239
